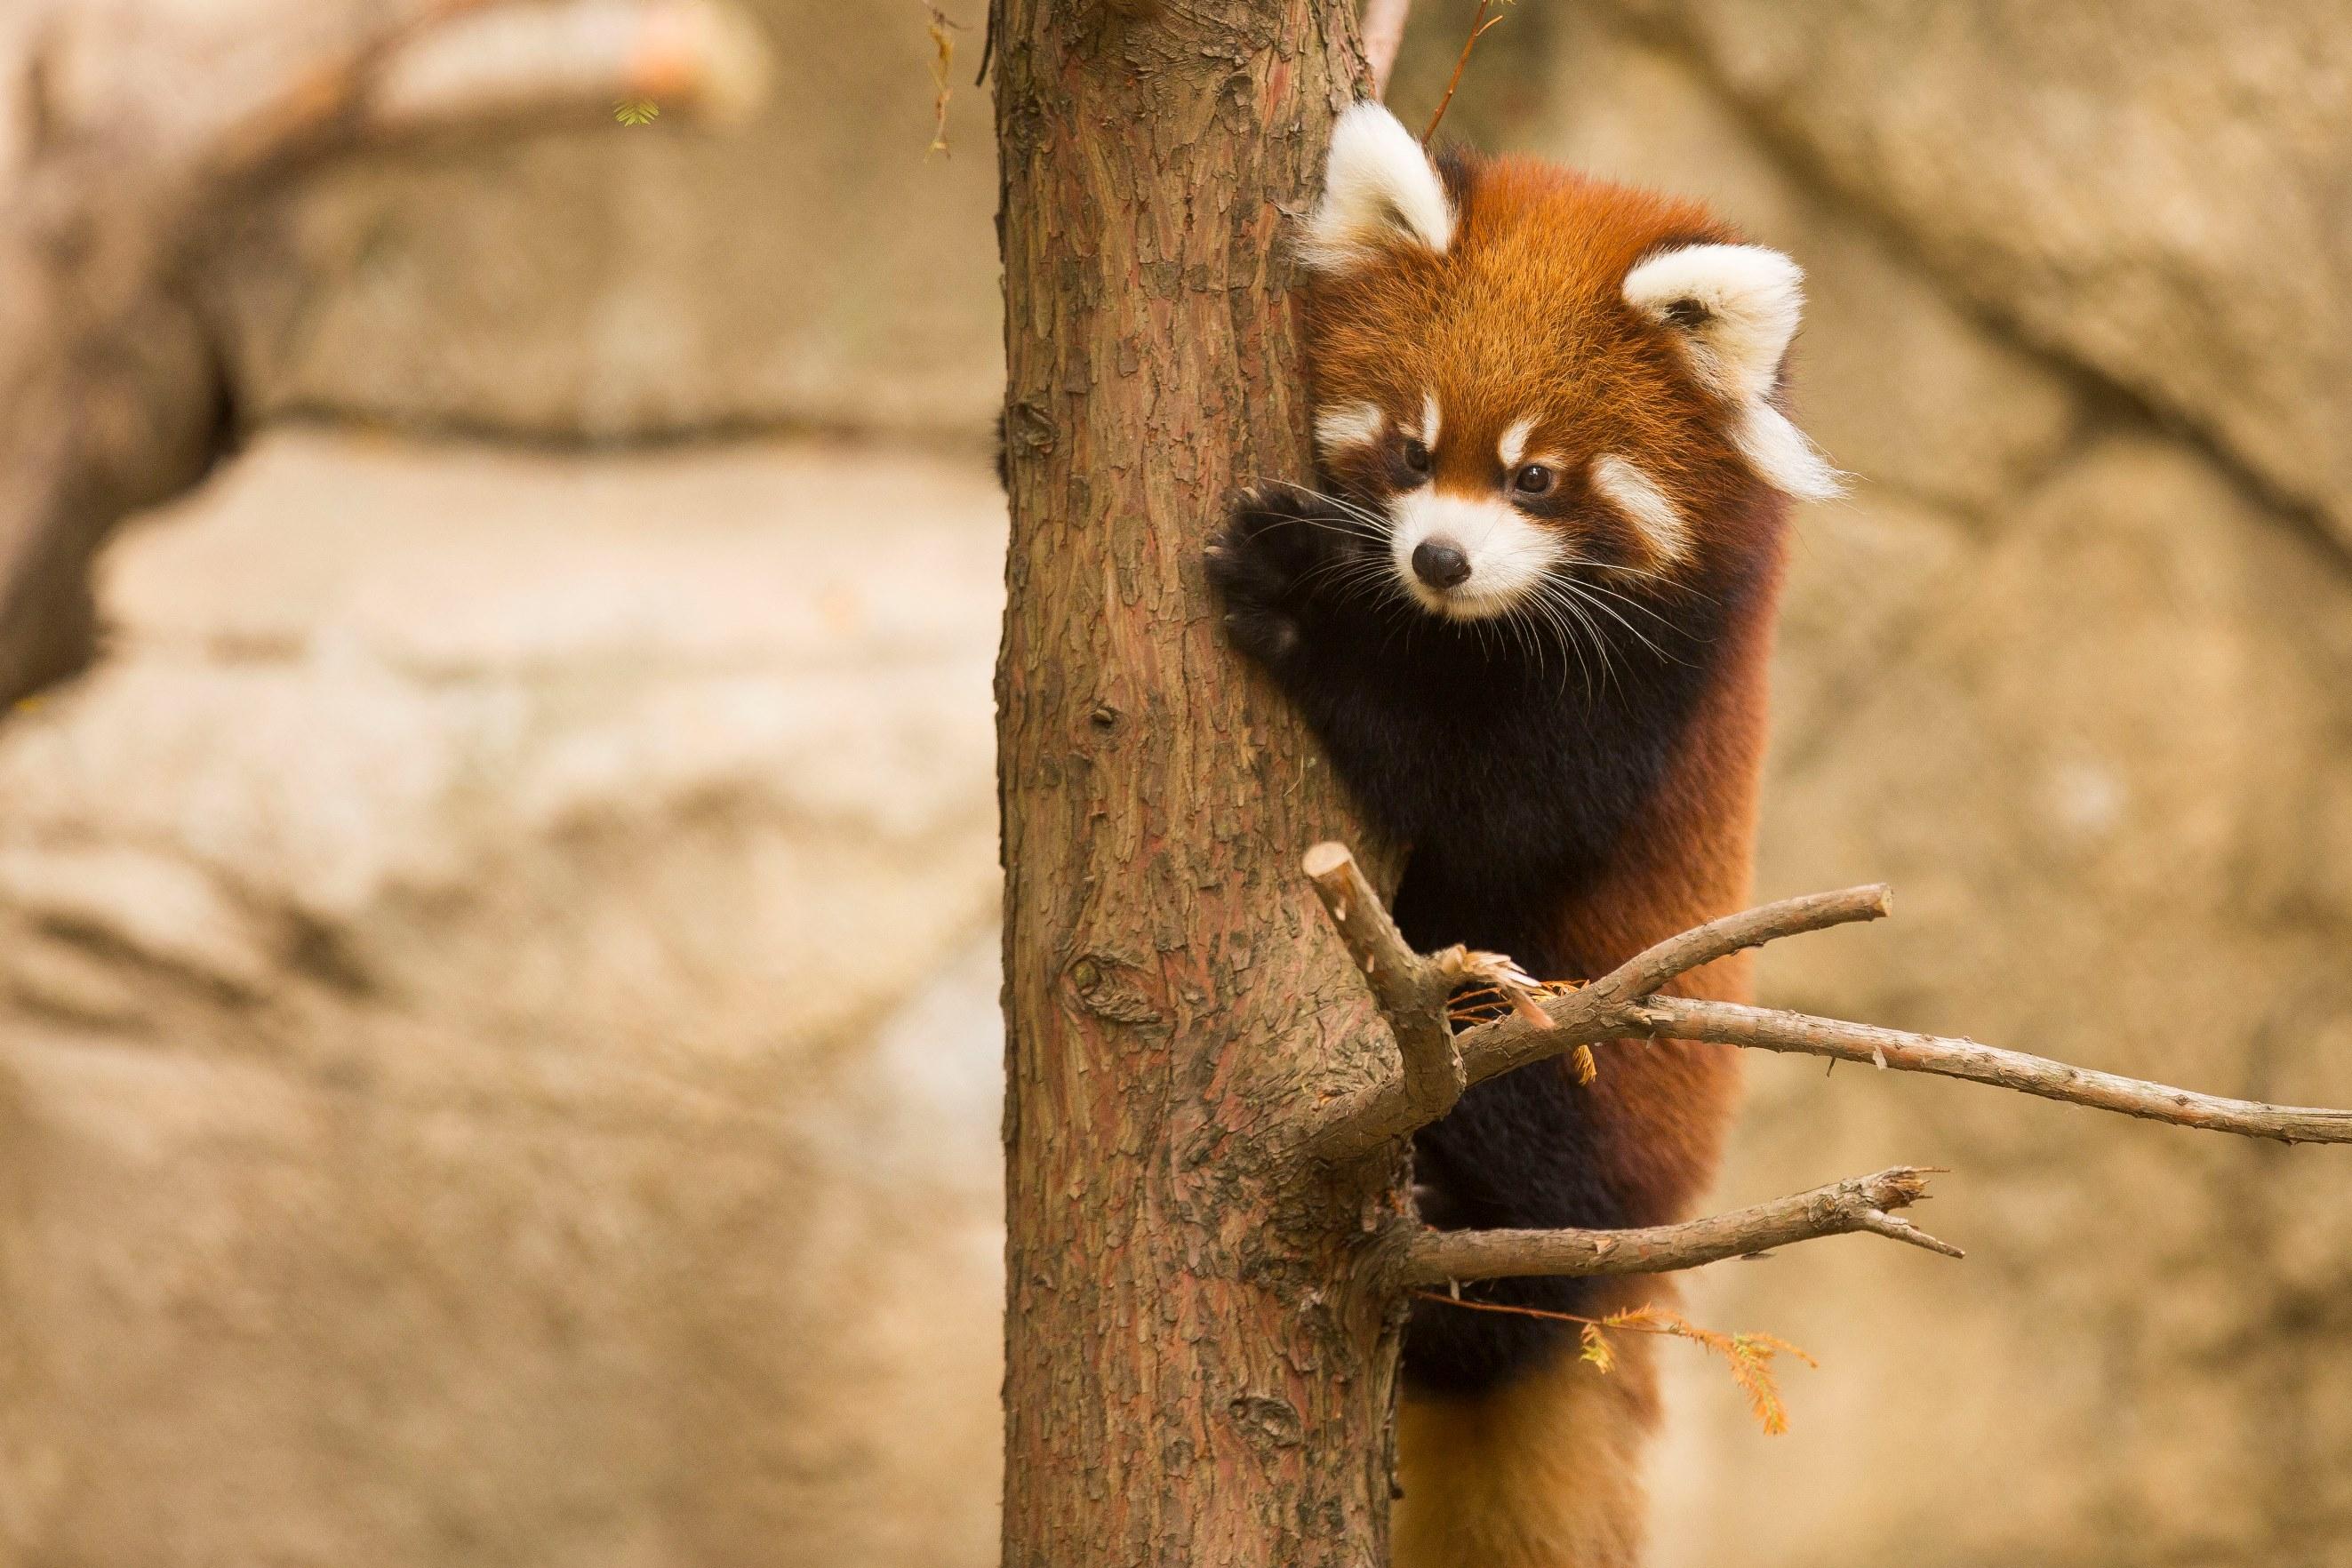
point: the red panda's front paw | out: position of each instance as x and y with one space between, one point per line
1260 565
1255 570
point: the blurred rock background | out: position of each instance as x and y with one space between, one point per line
497 1012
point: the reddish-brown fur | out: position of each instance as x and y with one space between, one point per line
1522 316
1528 293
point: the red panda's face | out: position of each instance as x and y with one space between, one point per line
1526 377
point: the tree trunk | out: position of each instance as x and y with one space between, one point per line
1200 1346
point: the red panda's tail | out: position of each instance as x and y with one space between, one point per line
1541 1471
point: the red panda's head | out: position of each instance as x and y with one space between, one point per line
1524 374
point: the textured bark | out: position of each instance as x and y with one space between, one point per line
1199 1343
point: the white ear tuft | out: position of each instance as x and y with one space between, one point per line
1783 457
1735 307
1377 187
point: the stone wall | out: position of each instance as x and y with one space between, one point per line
819 270
495 993
497 1022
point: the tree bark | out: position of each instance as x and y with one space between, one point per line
1200 1339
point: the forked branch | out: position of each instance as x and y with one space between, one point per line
500 64
1547 1022
1624 1005
113 206
1411 989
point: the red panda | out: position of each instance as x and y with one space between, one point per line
1528 612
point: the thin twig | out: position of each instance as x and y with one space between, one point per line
1765 1028
1586 1015
1859 1204
1383 34
987 47
1749 1356
1479 23
1676 956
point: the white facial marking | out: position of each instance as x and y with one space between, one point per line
1349 425
1513 448
1650 510
1378 187
1428 431
1781 456
1508 553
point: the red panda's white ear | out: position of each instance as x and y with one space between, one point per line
1734 308
1378 187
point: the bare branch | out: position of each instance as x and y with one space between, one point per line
1391 968
1383 34
1857 1204
1624 1005
1409 989
312 103
1653 968
1765 1028
111 204
1590 1014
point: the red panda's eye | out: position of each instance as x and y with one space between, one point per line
1416 456
1534 479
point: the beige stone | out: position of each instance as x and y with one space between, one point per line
818 270
2154 192
1892 378
498 1055
1863 569
2065 772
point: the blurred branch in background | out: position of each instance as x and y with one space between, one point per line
1383 33
129 153
534 63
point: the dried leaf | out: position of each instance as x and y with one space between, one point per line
1749 1356
943 62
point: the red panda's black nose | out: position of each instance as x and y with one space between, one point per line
1439 563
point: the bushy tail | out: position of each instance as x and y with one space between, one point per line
1542 1472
